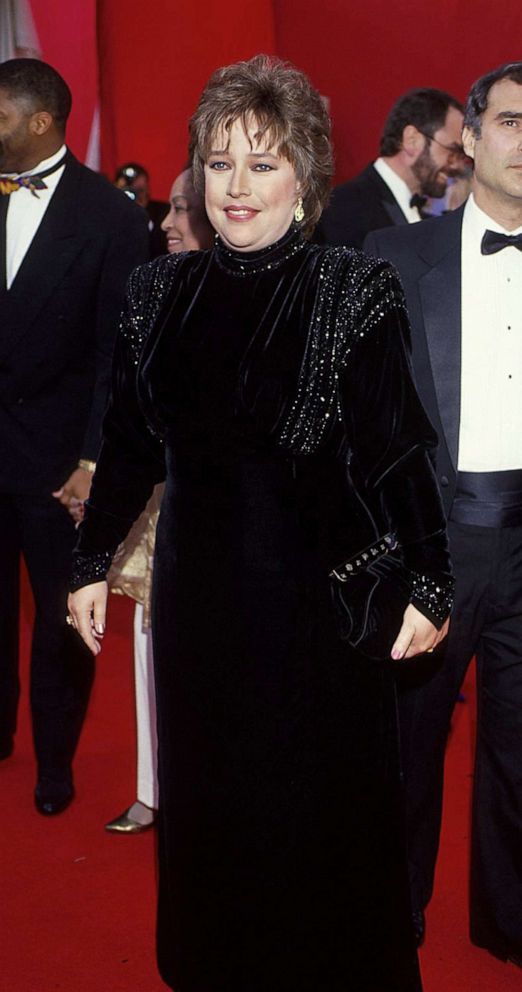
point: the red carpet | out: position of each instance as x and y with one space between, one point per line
77 904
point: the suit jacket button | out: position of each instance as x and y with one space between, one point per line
20 400
444 481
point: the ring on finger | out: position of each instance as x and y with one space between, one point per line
430 650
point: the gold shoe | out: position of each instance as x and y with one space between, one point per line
126 824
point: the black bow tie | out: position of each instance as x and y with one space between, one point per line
419 201
494 241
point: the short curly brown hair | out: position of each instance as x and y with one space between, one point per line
289 112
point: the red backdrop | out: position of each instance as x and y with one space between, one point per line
364 55
155 57
154 61
67 34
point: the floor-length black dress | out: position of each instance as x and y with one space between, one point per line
281 853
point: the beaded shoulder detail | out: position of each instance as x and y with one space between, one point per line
355 292
147 288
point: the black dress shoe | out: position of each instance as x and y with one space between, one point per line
503 953
419 926
51 798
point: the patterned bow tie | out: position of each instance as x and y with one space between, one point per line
10 184
493 241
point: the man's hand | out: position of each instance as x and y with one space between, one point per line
417 635
74 492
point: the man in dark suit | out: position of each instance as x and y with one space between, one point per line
420 148
133 179
462 275
68 241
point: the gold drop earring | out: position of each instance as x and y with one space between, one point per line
299 211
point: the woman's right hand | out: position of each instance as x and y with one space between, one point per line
88 607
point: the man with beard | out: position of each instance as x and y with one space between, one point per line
420 149
462 275
68 241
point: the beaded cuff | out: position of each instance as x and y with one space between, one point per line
88 568
434 597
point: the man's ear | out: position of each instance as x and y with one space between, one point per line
412 142
468 142
40 122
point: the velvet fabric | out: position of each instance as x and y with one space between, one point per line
282 862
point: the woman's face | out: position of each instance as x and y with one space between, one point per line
250 191
186 225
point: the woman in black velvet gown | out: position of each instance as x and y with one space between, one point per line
267 381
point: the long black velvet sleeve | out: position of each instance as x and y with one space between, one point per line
131 460
390 437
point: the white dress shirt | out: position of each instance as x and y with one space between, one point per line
491 386
25 213
399 188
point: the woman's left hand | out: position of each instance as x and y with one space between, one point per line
417 635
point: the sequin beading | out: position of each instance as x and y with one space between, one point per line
89 567
355 293
434 594
252 263
146 291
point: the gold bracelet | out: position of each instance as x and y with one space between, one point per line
87 465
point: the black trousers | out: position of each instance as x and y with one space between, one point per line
487 621
62 669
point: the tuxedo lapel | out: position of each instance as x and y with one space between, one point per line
51 252
440 295
388 201
394 212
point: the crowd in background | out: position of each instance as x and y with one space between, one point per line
442 201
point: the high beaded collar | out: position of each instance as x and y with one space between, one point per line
250 263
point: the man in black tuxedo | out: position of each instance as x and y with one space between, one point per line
68 241
462 275
420 148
